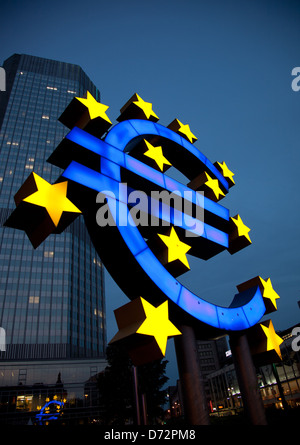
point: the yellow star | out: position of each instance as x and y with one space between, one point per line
157 324
184 130
213 184
269 292
226 172
266 289
52 197
176 249
146 107
156 154
242 229
96 109
273 340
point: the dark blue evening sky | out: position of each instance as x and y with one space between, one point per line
223 67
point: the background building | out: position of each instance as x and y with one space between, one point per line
279 382
52 304
212 356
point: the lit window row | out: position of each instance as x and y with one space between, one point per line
98 312
12 143
34 300
98 262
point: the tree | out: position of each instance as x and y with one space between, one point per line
152 379
116 387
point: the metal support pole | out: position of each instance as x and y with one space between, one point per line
136 394
194 399
247 379
144 408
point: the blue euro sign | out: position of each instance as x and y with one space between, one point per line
247 307
49 412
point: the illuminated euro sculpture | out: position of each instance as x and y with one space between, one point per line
115 176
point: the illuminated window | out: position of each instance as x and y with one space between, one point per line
51 88
98 312
24 402
45 116
48 254
34 300
71 92
98 262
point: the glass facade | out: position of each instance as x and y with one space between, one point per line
51 299
279 382
30 385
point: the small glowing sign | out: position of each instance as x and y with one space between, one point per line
51 411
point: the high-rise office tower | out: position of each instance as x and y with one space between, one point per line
52 298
